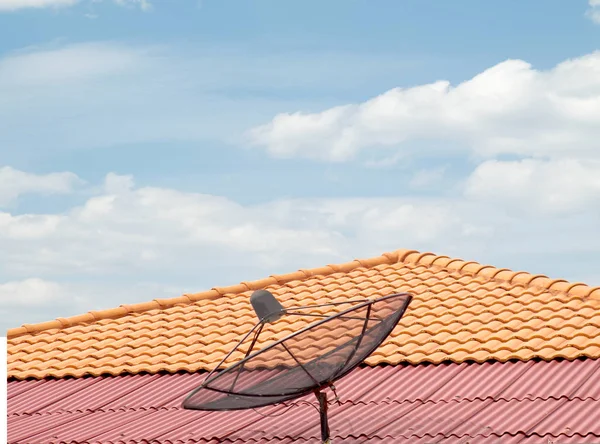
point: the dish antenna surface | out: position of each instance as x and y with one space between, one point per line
306 360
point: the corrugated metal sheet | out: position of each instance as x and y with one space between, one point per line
513 402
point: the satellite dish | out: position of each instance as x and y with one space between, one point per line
307 360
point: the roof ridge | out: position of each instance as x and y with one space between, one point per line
473 268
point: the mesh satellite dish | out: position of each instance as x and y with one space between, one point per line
307 360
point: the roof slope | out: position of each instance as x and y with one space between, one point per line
460 311
447 403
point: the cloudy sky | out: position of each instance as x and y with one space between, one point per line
150 148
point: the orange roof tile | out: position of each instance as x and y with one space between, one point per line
460 311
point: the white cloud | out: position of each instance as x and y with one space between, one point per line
12 5
290 134
124 225
427 177
67 64
118 184
31 292
28 226
14 183
144 228
386 162
140 230
594 11
551 186
509 108
144 5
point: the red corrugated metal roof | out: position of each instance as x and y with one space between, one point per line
513 402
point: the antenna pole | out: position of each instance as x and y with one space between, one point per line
322 397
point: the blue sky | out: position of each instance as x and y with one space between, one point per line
150 148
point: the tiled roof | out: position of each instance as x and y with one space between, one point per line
461 311
525 402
